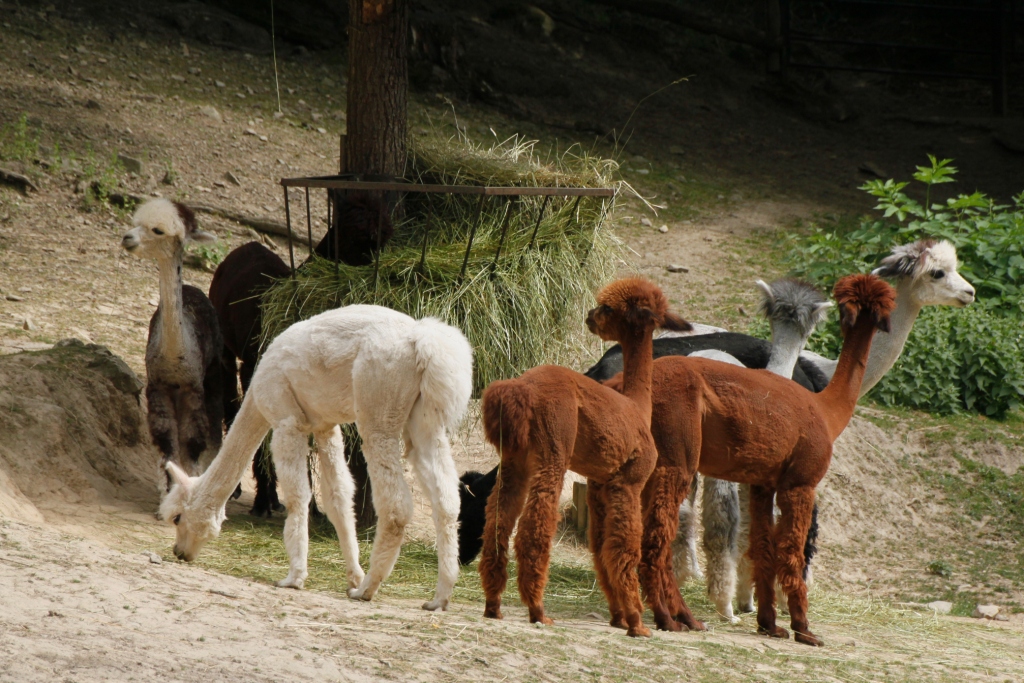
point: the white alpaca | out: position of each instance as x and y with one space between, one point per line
400 380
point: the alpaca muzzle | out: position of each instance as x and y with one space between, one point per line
129 242
180 554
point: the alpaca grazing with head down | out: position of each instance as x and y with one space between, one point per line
183 353
551 419
756 428
402 381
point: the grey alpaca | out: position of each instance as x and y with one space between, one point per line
793 309
183 353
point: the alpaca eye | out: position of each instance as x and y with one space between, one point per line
157 231
177 518
938 274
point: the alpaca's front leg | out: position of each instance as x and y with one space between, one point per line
338 490
762 554
684 547
744 567
427 449
393 503
720 514
289 447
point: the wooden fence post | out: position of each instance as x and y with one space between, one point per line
579 502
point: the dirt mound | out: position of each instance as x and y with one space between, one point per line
73 430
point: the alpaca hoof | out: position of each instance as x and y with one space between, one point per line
774 632
238 493
807 638
297 584
746 608
640 631
618 622
669 624
493 613
436 604
360 594
354 580
733 619
541 619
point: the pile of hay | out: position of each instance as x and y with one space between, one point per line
526 309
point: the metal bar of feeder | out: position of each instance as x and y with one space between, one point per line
469 245
309 224
426 233
504 229
288 221
333 182
376 260
540 216
328 215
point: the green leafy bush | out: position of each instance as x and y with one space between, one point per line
954 359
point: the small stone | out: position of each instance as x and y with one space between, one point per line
25 290
250 131
278 114
940 606
676 268
131 164
184 49
233 179
742 311
153 557
593 615
176 77
28 325
643 171
263 138
663 229
219 183
195 70
321 130
14 297
211 112
93 104
646 222
220 84
1001 617
985 611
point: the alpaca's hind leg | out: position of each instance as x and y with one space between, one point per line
163 428
744 567
193 429
797 505
503 508
537 528
684 546
337 489
596 513
762 554
428 451
393 503
290 447
720 514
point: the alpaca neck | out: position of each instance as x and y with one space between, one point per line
637 369
840 396
218 482
172 329
787 343
887 346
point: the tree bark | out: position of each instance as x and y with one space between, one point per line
375 141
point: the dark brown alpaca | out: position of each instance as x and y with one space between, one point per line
551 419
756 428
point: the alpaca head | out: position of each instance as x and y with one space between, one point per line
793 304
162 228
194 526
928 268
629 307
864 295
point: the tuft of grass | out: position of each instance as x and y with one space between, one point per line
523 309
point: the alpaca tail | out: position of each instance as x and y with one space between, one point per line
507 413
445 361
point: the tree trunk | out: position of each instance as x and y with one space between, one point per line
378 84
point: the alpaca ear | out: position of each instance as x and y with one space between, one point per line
882 323
178 476
673 322
767 289
821 310
201 237
847 315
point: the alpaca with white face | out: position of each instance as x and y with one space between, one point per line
402 381
183 365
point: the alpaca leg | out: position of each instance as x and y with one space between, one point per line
428 451
290 447
163 428
193 428
762 554
503 508
393 503
811 546
266 500
537 528
337 489
744 567
662 496
797 505
684 546
623 530
720 513
597 512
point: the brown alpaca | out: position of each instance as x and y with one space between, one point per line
756 428
551 419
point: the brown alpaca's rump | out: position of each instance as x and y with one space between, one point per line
752 427
551 419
